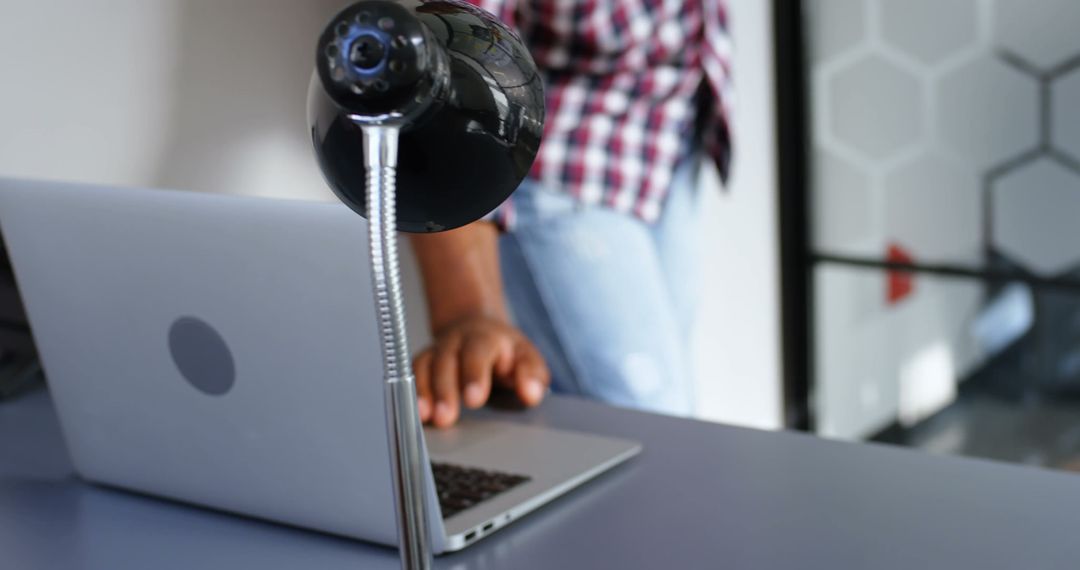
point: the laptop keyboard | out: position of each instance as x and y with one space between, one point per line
461 488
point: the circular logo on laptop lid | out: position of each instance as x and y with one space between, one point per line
201 355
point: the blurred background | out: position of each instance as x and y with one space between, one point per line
897 258
944 138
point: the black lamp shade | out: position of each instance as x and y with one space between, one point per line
461 84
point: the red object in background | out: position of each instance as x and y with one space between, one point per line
901 284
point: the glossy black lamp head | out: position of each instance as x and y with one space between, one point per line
461 87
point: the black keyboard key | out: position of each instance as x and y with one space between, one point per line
460 488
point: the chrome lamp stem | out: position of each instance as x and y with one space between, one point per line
402 417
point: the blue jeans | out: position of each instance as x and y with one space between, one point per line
607 298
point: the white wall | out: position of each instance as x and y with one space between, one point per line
210 95
738 345
82 95
188 94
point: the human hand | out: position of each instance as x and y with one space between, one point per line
466 358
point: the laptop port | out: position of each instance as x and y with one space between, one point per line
470 536
489 526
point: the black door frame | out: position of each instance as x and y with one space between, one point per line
796 258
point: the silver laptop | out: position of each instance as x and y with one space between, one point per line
222 351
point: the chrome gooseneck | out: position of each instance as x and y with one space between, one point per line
402 417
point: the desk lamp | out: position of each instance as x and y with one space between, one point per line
439 97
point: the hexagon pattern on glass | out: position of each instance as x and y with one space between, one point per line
988 111
1065 105
986 160
840 26
1034 216
1043 32
929 30
962 80
876 107
842 184
933 205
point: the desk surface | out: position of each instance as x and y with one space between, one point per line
701 496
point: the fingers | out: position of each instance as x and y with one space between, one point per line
422 370
460 369
478 359
444 385
531 376
504 361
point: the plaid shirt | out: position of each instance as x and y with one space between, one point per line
621 79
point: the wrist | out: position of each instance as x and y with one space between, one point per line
441 321
461 275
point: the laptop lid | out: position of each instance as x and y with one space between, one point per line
211 349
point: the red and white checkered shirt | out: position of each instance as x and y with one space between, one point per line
621 78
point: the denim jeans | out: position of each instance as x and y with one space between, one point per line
609 299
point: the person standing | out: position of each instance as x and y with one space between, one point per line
586 279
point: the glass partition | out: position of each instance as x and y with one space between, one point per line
942 154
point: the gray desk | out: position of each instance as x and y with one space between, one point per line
701 496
